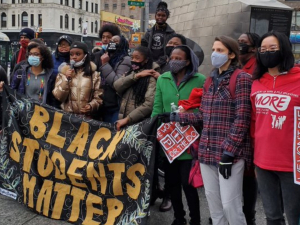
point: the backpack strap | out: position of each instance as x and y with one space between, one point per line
232 82
207 83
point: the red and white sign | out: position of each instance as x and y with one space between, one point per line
297 145
175 139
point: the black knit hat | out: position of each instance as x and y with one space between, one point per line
27 32
65 37
80 45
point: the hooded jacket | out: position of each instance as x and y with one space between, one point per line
167 91
147 39
124 88
78 92
273 100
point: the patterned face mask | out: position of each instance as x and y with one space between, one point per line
177 65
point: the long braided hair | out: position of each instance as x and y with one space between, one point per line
140 87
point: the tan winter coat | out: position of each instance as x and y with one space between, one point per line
78 92
124 88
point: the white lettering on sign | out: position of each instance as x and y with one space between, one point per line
273 102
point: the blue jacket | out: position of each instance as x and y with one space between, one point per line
57 61
20 79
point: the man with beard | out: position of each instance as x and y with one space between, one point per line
156 38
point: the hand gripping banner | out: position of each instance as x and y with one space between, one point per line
71 168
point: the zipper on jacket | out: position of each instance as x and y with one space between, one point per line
274 82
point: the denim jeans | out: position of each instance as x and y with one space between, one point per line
275 187
110 116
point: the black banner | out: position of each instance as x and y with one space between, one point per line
71 168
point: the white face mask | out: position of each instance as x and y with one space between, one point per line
81 62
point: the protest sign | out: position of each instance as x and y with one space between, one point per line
296 152
75 169
175 139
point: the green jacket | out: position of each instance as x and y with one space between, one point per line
167 92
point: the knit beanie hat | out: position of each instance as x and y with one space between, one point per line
80 45
27 32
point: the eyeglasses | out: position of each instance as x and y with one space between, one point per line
263 50
64 45
34 54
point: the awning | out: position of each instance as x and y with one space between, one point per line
266 3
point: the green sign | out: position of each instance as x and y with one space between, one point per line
133 3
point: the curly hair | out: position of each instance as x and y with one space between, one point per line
47 62
140 87
110 28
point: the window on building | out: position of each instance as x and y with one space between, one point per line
123 5
131 16
32 1
61 22
67 2
18 20
3 20
66 21
80 24
32 20
73 24
92 7
96 26
87 6
40 20
73 3
114 6
24 1
92 27
61 2
40 1
13 20
13 2
96 8
80 4
106 6
24 19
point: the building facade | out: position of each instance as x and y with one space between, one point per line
51 19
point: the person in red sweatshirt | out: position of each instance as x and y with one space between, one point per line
275 92
248 43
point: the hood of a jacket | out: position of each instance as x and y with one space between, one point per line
291 76
195 64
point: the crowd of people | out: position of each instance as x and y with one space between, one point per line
245 118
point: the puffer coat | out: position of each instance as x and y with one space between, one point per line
124 88
78 92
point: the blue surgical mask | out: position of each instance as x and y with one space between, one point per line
218 59
104 47
34 60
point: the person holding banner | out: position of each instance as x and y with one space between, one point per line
274 96
173 86
225 146
137 88
78 85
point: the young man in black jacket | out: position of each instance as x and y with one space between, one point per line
157 37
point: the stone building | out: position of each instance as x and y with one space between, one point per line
203 20
52 18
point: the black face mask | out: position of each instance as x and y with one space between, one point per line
244 48
136 65
169 50
270 59
112 47
64 54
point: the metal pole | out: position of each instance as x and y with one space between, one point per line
146 15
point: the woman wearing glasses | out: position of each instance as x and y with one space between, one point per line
62 52
275 93
36 79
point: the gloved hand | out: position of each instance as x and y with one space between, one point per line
165 117
225 165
